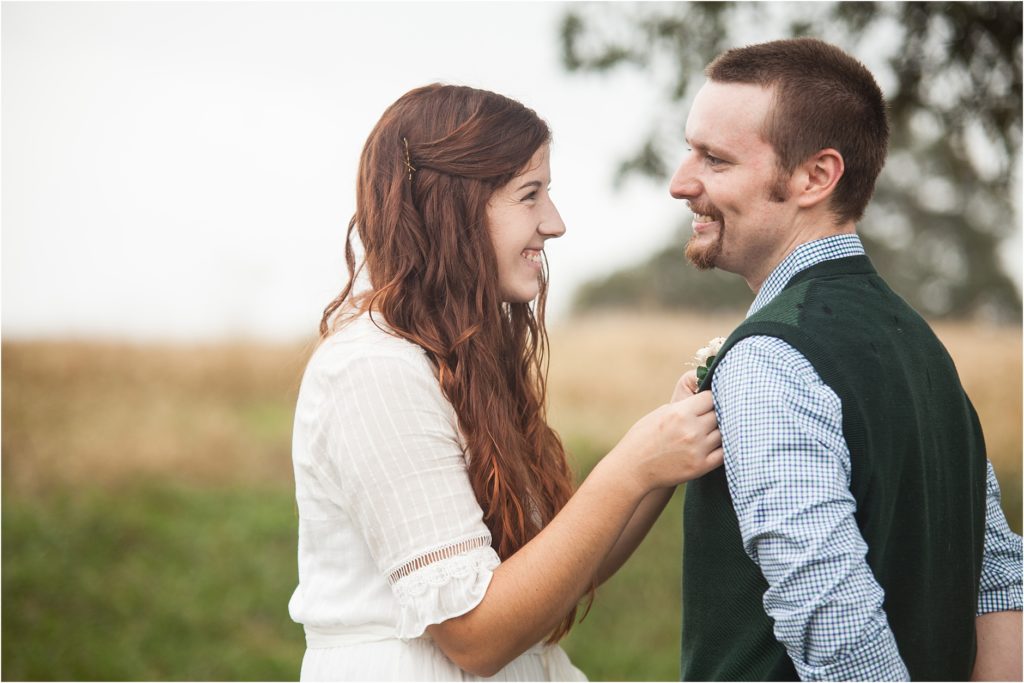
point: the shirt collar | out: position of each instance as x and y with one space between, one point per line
802 258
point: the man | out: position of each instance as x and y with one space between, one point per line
855 531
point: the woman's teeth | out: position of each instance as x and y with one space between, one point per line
531 255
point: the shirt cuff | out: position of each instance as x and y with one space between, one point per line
876 658
1005 599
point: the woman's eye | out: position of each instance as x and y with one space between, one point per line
531 196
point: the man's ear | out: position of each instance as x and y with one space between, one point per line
818 177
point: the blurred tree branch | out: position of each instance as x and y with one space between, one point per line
951 72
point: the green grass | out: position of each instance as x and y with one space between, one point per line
167 581
156 582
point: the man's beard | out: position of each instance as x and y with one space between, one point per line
704 257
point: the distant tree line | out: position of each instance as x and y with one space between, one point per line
944 203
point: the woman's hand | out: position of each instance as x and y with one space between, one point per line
675 443
685 387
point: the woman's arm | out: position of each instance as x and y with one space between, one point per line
650 508
532 591
646 514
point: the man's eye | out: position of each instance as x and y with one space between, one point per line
713 160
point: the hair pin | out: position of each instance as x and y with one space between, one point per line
408 160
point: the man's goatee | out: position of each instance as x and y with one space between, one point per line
704 257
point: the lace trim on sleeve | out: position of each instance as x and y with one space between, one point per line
433 556
442 584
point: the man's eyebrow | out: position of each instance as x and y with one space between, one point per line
696 144
706 148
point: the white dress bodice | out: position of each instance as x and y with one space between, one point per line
391 537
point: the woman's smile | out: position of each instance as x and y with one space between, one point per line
533 257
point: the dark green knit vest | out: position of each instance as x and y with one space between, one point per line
917 473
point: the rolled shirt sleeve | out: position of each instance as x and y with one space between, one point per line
1000 586
788 471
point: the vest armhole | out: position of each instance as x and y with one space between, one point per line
819 358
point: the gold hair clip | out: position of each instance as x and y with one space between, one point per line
408 159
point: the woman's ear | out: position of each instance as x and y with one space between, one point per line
819 175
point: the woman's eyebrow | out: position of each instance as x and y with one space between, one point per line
532 183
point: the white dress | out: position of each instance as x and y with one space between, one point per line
391 537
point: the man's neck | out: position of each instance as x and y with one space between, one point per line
801 235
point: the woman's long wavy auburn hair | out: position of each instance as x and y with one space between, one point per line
433 275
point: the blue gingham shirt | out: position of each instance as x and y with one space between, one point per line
788 469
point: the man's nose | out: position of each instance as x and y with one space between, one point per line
684 183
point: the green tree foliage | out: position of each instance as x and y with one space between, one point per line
951 72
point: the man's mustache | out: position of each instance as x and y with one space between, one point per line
705 210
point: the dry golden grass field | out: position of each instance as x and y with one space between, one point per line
75 412
149 524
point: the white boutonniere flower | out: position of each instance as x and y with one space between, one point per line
706 356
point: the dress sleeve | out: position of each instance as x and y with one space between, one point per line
390 446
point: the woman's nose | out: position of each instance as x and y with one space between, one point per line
551 225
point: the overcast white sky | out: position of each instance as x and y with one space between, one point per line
186 170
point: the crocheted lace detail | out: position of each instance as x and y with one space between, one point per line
448 551
438 568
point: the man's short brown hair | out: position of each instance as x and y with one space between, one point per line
823 98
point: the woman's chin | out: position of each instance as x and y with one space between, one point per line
520 296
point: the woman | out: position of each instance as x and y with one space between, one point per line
439 534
